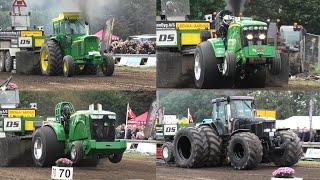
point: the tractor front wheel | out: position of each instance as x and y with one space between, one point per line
8 62
291 150
167 152
51 58
2 62
108 66
275 66
68 66
229 65
245 151
46 149
116 157
77 152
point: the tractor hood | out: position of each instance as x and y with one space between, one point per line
247 123
245 22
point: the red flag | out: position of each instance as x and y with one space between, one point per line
130 113
190 119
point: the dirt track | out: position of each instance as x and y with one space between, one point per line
263 172
124 78
128 168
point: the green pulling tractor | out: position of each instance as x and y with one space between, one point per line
84 136
238 56
71 50
234 136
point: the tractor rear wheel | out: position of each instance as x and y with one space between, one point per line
206 71
46 149
245 150
2 62
108 66
68 66
77 152
275 67
8 62
292 150
214 146
167 152
189 148
51 58
115 157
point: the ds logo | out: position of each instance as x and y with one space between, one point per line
166 37
171 129
12 124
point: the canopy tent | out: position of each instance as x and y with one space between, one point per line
99 35
299 121
139 120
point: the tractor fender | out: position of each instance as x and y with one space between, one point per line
58 130
218 47
239 131
282 129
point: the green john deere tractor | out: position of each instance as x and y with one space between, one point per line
238 56
235 136
84 136
71 50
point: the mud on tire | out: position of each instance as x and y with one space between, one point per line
214 146
245 151
189 148
293 149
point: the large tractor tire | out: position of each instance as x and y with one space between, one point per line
229 65
51 59
115 157
2 62
189 148
46 149
8 62
77 152
215 156
245 151
167 152
206 72
68 66
275 66
28 62
292 152
281 79
108 66
174 70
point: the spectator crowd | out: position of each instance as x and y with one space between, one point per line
305 135
133 132
132 47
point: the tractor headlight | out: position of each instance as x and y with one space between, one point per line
262 36
111 116
249 36
250 28
245 28
261 28
256 28
265 28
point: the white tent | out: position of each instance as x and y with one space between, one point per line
299 121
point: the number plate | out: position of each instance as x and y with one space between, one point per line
166 38
62 173
170 130
25 42
12 124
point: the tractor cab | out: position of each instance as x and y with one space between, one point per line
235 113
69 23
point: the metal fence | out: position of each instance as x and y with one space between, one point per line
311 49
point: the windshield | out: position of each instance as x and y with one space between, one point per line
291 37
75 27
241 109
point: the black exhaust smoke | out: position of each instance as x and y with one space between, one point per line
235 6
